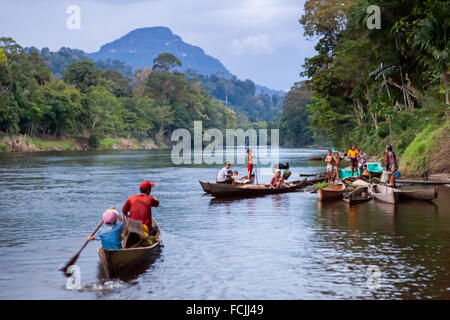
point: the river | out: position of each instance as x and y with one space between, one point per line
286 246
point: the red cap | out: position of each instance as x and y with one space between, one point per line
146 185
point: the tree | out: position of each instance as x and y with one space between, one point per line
165 62
82 75
431 38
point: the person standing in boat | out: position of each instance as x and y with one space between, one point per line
392 165
329 160
362 159
337 162
249 164
223 176
110 232
139 206
352 154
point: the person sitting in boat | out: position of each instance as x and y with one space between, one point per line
277 181
139 206
365 173
111 230
224 176
352 154
329 160
236 178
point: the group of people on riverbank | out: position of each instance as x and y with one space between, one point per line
358 164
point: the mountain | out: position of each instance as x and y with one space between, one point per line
139 47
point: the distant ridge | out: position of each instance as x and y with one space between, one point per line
139 47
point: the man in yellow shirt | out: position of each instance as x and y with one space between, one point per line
352 154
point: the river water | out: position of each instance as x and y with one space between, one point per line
286 246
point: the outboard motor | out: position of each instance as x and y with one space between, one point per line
281 166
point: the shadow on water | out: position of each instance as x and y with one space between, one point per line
132 272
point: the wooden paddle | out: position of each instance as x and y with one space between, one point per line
75 257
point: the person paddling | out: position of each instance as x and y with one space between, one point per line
110 232
139 206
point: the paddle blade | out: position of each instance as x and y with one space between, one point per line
71 262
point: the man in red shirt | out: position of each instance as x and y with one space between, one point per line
140 205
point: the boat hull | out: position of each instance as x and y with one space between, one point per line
421 194
118 262
219 190
331 193
384 194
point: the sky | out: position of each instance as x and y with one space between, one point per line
260 40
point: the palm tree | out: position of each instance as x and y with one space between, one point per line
431 37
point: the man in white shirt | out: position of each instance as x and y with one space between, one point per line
223 176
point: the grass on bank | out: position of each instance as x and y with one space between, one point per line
53 144
419 156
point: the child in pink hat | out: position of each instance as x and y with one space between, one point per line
111 230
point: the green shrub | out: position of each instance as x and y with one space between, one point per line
321 185
93 141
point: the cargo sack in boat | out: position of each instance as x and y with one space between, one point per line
132 233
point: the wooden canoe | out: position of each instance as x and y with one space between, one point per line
333 192
418 194
360 195
221 190
384 193
117 262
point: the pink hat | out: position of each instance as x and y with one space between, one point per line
110 216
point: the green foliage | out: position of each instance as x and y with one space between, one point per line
165 62
4 147
294 122
416 158
240 96
90 102
321 185
93 141
108 143
82 75
373 87
53 144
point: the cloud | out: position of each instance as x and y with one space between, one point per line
253 44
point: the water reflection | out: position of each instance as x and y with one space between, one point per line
285 246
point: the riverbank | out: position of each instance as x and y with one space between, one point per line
24 143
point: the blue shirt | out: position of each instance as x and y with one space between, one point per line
109 234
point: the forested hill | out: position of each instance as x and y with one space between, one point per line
137 50
139 47
387 85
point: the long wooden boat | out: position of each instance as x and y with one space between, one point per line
360 195
384 193
221 190
116 262
427 194
333 192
